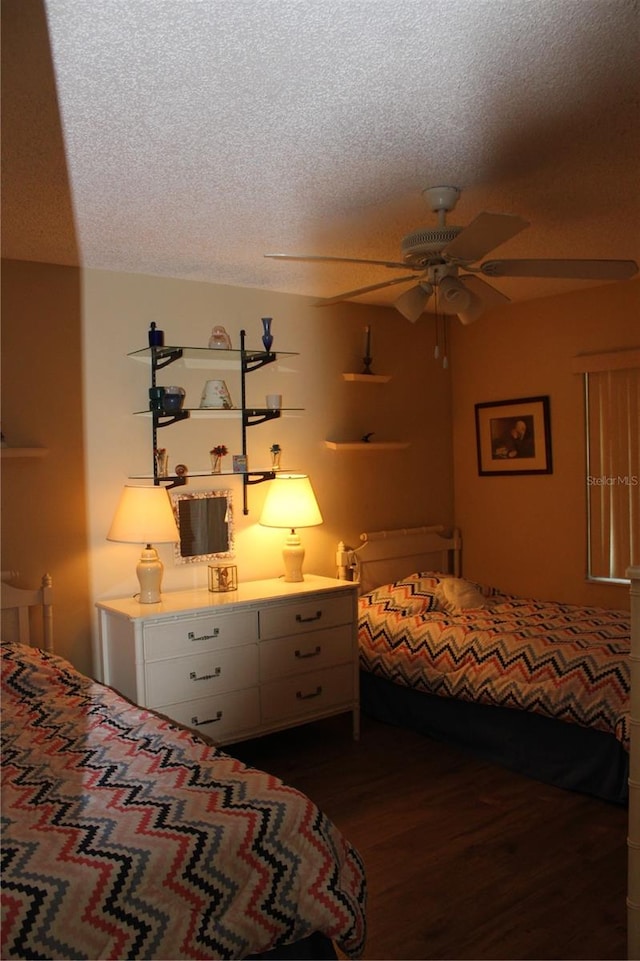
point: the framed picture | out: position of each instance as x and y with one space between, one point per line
514 436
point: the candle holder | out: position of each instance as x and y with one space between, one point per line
367 359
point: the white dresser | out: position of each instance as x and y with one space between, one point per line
267 656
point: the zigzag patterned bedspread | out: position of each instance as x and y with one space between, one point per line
562 661
126 837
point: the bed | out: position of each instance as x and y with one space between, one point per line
540 687
127 836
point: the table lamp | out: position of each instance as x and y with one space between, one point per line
290 502
143 515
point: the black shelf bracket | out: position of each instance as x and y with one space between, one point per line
170 482
162 419
163 356
255 361
251 478
258 476
258 415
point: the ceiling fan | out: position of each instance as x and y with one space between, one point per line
436 256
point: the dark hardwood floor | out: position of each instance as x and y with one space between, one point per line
464 860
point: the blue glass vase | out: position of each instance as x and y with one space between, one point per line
267 339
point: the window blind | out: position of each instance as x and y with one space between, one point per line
613 468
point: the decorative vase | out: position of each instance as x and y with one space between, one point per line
275 459
267 338
162 462
216 463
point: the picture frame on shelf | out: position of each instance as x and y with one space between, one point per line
514 436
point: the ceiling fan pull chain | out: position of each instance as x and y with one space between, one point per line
445 346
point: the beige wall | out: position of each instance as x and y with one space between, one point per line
67 384
527 534
356 492
44 523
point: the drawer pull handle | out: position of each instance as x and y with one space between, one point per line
203 637
305 620
306 697
315 653
205 677
212 720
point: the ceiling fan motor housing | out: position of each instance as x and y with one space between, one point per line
425 245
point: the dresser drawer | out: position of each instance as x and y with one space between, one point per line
200 675
303 615
305 652
192 635
307 693
221 716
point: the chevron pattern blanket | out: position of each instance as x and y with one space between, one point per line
563 661
124 836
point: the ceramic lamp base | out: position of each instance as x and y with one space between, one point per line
149 571
293 556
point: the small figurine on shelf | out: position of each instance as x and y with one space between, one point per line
220 339
276 452
217 453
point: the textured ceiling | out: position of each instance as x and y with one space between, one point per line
190 137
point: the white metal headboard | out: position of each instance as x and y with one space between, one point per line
387 556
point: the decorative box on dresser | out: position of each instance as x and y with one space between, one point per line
267 656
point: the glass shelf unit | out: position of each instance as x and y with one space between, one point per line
208 358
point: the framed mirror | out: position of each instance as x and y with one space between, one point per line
205 525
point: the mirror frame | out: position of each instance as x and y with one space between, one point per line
177 498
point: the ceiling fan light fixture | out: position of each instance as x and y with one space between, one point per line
471 313
454 296
412 303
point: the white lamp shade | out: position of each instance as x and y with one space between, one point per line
144 515
290 502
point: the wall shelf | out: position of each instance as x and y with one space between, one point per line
368 378
243 361
366 445
23 452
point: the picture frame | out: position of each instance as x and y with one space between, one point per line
514 436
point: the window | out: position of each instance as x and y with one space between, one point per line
612 384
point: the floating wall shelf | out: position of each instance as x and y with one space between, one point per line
367 446
368 378
23 452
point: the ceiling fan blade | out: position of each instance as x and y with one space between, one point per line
563 269
482 235
337 260
327 301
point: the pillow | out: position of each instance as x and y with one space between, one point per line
455 595
415 594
